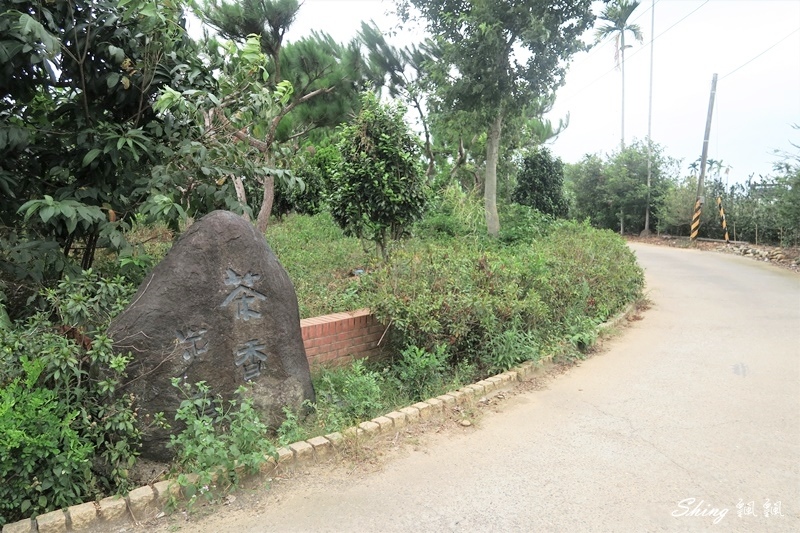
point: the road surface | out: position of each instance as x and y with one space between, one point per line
689 421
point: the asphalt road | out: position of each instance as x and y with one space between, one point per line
687 422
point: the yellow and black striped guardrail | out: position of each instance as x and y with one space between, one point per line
722 219
698 207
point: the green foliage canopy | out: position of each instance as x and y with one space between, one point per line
377 187
540 183
78 133
612 192
496 56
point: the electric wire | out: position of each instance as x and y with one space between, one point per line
759 55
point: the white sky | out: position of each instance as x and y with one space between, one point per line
755 106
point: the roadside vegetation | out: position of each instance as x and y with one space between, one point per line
462 306
611 192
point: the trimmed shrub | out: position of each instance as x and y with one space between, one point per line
466 293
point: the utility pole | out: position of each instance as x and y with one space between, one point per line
698 206
646 230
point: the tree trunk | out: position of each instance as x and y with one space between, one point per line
428 149
266 204
240 194
462 156
490 182
622 68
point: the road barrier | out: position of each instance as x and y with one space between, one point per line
698 207
722 219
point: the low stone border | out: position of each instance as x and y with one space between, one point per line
147 502
617 319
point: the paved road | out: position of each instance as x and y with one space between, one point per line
693 411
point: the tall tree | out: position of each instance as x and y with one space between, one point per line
325 77
496 56
269 19
616 16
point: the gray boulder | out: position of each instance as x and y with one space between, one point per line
219 308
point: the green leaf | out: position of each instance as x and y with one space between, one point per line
67 210
47 213
117 54
90 156
29 207
112 80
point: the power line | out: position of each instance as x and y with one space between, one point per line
761 54
665 31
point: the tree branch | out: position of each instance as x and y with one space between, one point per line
286 110
261 146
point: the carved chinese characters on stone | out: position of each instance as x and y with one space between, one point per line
192 343
249 356
243 294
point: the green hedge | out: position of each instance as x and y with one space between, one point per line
467 292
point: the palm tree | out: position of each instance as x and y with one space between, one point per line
616 15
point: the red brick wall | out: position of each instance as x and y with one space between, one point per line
339 338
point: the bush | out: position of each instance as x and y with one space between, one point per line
377 183
457 294
348 394
467 293
217 439
311 166
44 462
67 437
540 183
421 373
520 224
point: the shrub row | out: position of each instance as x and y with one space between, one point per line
473 295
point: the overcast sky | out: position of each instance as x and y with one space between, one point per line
757 100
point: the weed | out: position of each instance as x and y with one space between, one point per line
420 373
218 440
346 395
582 333
290 429
510 348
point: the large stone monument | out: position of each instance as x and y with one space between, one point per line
221 309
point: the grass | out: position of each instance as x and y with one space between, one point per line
324 265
